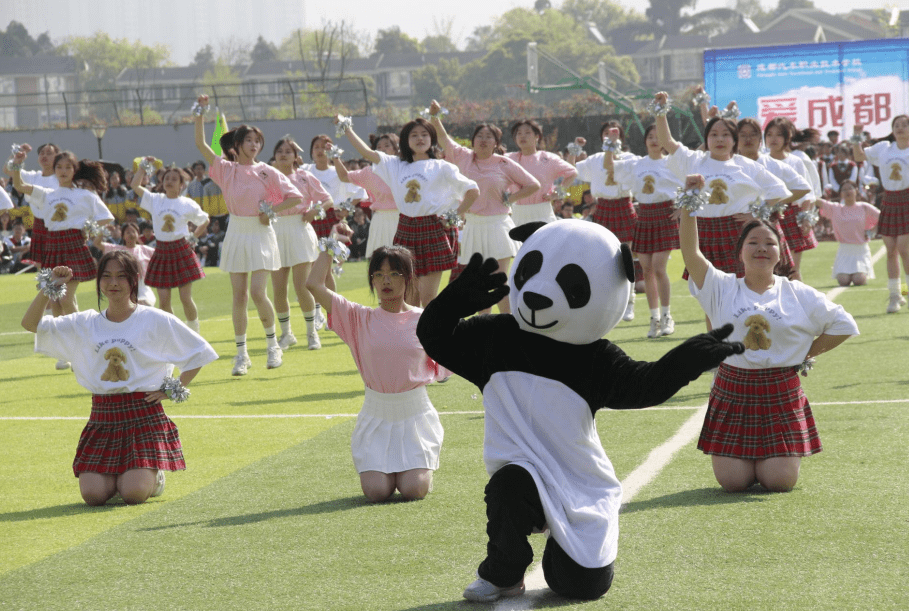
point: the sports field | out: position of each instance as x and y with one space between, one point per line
269 514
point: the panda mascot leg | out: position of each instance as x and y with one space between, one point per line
514 511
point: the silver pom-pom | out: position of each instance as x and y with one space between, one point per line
806 366
15 149
338 250
320 213
779 208
337 270
612 146
266 209
428 115
505 200
558 190
856 139
174 389
701 98
760 211
574 149
344 124
657 109
810 217
451 218
347 205
148 167
732 113
193 240
12 166
334 151
198 110
92 230
47 285
691 199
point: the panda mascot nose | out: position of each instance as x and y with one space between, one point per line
535 301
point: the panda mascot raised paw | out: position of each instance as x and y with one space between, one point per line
544 371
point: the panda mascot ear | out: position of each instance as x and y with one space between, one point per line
522 232
627 261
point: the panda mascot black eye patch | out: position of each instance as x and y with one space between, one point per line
575 285
568 287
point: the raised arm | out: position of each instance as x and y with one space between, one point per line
365 151
858 153
35 311
574 159
609 156
695 261
341 169
136 184
201 144
444 139
18 158
666 140
316 281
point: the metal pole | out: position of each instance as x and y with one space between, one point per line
65 108
100 153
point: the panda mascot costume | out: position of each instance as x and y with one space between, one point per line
544 371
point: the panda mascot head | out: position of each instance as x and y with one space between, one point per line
571 280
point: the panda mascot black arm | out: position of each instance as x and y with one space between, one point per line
567 287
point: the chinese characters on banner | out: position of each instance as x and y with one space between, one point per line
867 109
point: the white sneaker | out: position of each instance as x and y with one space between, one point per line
654 328
62 365
667 325
320 321
892 307
287 340
481 591
241 365
159 484
274 358
314 342
628 316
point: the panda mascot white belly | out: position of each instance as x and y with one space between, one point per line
544 371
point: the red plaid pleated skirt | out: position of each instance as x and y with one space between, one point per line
758 413
68 248
124 432
173 264
323 227
429 241
894 219
798 241
654 230
616 215
39 236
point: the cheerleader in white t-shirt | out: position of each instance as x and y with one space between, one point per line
174 263
891 156
656 232
43 178
122 355
250 249
298 244
546 167
65 210
423 188
758 423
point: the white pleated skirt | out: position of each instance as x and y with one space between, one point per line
487 235
297 241
146 295
396 432
382 229
853 259
529 213
249 246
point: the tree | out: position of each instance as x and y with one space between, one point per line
106 58
605 14
438 44
436 82
481 38
263 51
666 15
204 57
233 51
17 42
666 18
393 41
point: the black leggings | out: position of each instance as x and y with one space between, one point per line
513 511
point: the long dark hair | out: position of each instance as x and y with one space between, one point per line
231 140
533 125
87 170
130 266
404 150
890 137
393 139
324 137
787 129
399 259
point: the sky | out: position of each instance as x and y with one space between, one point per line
188 26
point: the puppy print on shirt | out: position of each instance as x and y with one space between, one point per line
896 172
60 211
115 371
718 195
610 178
413 191
169 223
756 338
648 184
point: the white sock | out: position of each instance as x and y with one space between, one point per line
318 310
631 299
193 324
310 318
284 321
241 345
664 311
270 338
894 285
654 312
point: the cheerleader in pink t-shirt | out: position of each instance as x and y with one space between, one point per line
398 435
546 167
250 248
850 220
